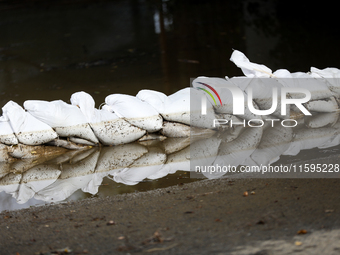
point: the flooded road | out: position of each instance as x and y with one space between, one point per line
49 52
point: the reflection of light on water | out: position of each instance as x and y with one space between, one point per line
162 19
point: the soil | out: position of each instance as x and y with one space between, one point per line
223 216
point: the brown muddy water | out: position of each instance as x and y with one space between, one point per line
48 52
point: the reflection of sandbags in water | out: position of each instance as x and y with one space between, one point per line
10 183
236 152
144 167
23 151
7 135
136 112
73 177
27 129
36 179
321 120
83 166
175 129
67 120
22 165
4 156
172 145
83 155
179 160
10 178
203 152
67 156
305 139
4 169
120 156
324 105
63 188
232 133
107 126
274 141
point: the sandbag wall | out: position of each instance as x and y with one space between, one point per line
150 114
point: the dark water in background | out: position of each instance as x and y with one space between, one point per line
48 52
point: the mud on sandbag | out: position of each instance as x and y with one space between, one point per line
136 112
67 120
28 130
107 126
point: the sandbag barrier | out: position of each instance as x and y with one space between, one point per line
153 115
57 177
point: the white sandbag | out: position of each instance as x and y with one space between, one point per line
136 112
27 129
175 129
324 105
184 106
7 135
248 68
67 120
81 141
107 126
262 90
331 75
221 96
154 98
316 87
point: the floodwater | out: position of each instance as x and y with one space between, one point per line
48 52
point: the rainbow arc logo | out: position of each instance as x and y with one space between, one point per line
209 93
